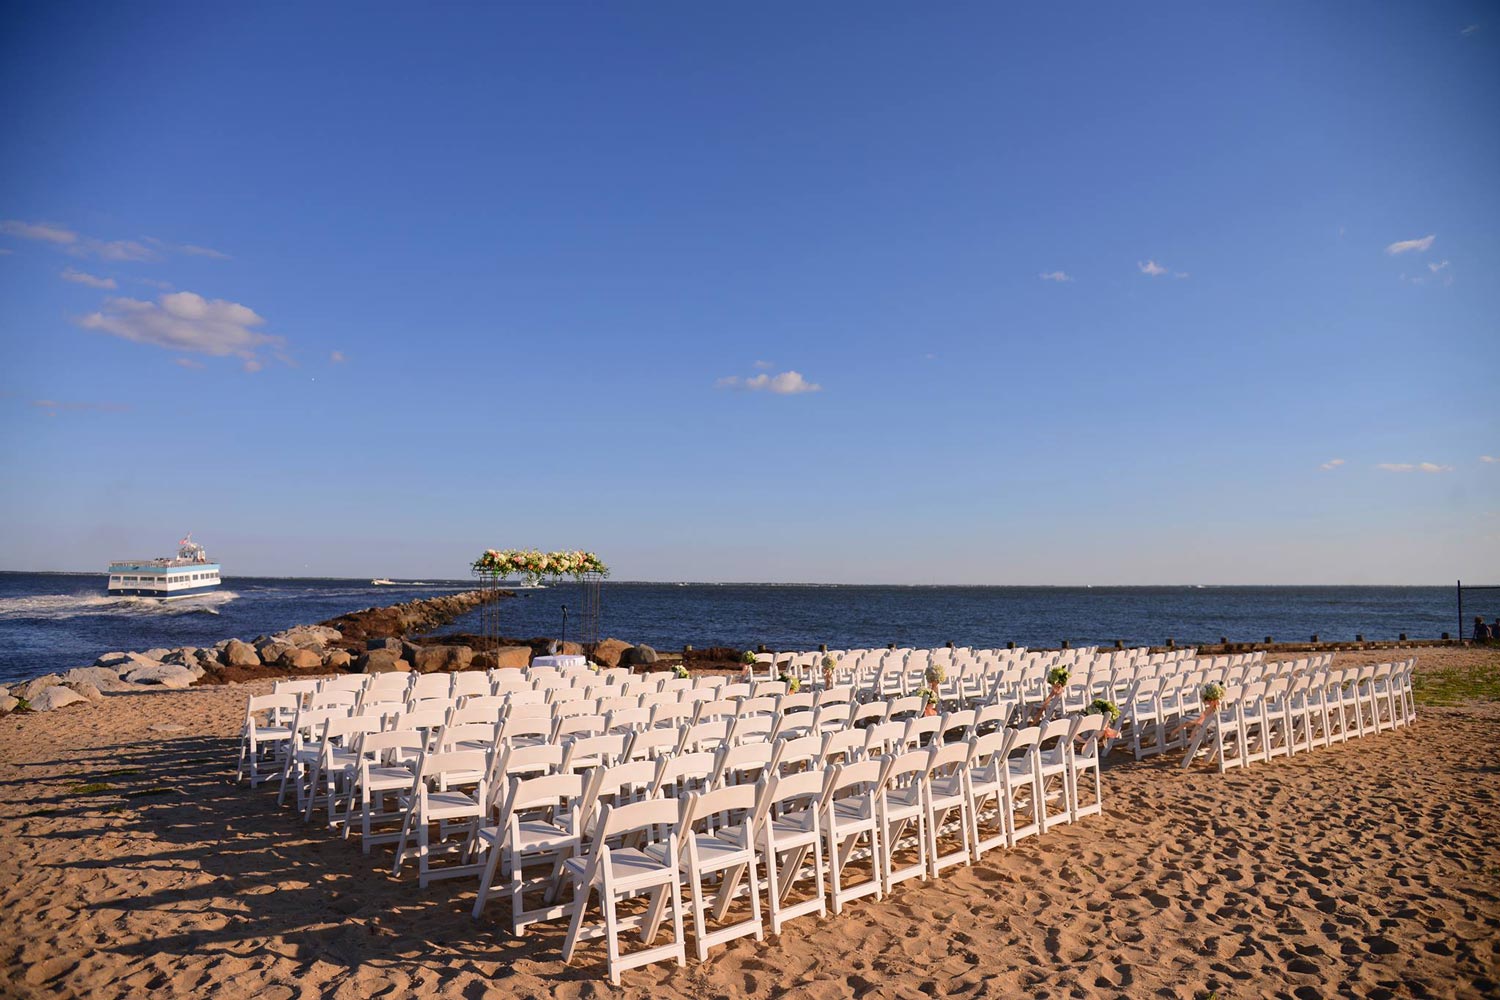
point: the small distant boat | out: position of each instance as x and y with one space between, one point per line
383 582
189 574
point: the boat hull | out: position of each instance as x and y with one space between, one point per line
162 595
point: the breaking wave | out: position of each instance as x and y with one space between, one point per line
57 607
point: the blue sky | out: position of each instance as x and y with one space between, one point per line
1093 293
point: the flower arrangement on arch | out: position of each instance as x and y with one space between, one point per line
1058 676
533 565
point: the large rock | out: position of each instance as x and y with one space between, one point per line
270 650
337 659
483 660
431 659
112 660
300 659
182 657
102 678
8 704
570 649
513 656
304 636
639 656
386 642
55 697
240 654
167 675
84 688
159 654
609 652
32 689
381 661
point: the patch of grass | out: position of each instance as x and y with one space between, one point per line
91 788
1457 685
124 772
158 790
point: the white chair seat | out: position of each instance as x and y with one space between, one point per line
628 868
384 778
266 733
442 805
535 835
853 810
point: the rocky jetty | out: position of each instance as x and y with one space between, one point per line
375 640
410 618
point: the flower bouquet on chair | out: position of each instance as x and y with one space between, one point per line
929 701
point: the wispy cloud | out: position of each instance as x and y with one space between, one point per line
184 321
337 357
1405 246
1332 463
1435 268
1151 268
1489 459
788 383
1413 467
53 407
46 232
189 363
1469 29
80 278
764 365
1058 276
71 241
165 286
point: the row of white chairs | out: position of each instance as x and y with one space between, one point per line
715 819
1263 720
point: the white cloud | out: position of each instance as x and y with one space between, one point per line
189 363
46 232
1410 467
1182 274
253 365
80 278
1489 458
87 246
184 321
1469 29
337 357
1402 246
765 365
1151 267
1435 268
1058 276
156 283
1332 463
786 384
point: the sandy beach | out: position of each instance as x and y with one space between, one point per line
137 868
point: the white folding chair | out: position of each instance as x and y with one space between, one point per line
619 871
850 819
450 790
539 827
718 844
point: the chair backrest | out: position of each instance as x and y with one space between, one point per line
469 683
277 706
743 763
717 809
579 725
705 736
801 752
483 708
471 732
559 795
884 737
683 772
842 746
430 686
594 751
512 729
649 744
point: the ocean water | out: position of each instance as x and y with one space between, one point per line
52 621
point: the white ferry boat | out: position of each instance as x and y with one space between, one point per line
188 575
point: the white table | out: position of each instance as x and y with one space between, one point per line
567 660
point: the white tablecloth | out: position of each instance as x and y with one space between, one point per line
569 660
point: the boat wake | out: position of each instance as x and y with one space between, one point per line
57 607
